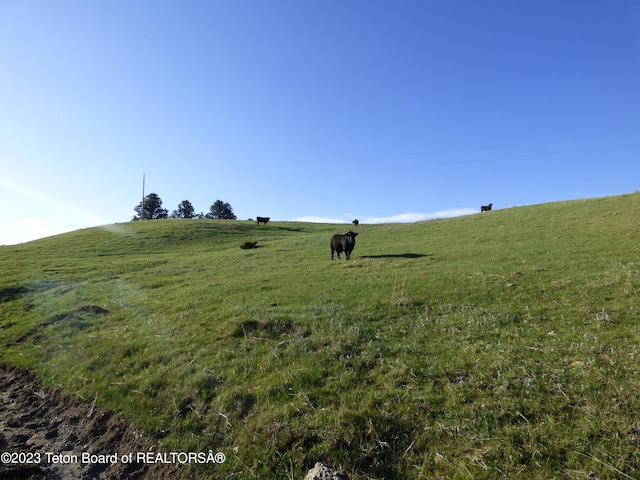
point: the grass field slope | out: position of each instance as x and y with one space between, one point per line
504 344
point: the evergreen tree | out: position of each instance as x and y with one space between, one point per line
185 210
150 208
221 211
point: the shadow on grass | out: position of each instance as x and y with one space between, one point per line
9 294
399 255
290 229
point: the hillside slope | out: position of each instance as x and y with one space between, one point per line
499 344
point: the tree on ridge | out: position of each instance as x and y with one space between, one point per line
185 210
221 211
150 208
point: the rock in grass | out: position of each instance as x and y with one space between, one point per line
322 472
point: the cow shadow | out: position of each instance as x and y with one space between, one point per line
398 255
290 229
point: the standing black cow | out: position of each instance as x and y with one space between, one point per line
343 243
356 222
486 208
263 220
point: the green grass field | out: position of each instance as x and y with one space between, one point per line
498 345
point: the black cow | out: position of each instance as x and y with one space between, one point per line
263 220
343 243
355 222
486 208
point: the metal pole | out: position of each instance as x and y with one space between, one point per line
142 204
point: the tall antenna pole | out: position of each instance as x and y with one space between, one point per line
142 204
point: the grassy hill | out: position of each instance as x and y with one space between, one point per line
503 344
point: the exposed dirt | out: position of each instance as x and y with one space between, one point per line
44 435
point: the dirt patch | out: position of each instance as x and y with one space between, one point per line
45 435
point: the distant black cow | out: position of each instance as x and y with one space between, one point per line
355 222
263 220
343 243
486 208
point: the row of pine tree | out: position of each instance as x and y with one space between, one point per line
151 209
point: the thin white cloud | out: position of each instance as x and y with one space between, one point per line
315 219
400 218
420 217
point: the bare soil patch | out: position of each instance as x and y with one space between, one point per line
46 433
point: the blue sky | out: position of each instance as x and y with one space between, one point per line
326 110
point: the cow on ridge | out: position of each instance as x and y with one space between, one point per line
486 208
263 220
343 243
356 222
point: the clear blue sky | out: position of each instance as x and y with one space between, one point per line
333 109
